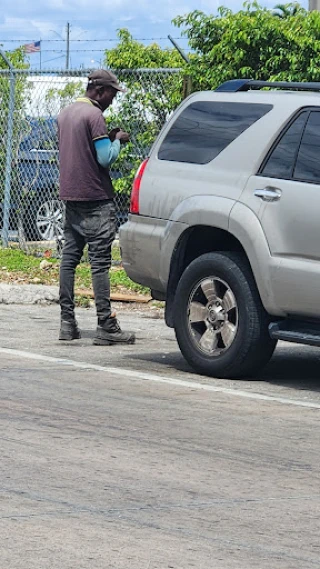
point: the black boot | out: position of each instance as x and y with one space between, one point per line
69 330
109 332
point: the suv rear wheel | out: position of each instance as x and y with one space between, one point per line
220 323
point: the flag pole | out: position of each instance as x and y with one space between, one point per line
67 46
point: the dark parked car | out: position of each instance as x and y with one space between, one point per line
38 175
35 205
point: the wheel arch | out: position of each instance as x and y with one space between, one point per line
194 242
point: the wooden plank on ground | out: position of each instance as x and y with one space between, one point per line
115 296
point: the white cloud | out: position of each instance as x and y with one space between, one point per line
95 20
43 15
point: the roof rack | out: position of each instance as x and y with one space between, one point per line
235 85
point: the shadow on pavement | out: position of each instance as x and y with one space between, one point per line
173 360
291 366
295 368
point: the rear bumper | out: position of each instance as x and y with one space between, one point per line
141 246
147 244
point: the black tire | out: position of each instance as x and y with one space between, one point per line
230 314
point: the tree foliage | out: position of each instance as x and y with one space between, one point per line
62 97
132 54
253 43
17 60
286 10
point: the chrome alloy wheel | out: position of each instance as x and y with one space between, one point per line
212 316
49 220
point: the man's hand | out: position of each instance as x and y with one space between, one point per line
112 133
123 136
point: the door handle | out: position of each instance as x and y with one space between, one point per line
268 194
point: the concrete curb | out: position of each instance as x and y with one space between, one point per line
28 294
46 294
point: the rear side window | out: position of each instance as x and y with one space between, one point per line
308 161
205 128
281 161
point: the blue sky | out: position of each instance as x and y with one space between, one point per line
94 25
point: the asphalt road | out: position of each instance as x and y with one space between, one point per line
123 458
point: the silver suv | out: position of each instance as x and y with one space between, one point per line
225 223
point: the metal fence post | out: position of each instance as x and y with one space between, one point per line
7 183
187 86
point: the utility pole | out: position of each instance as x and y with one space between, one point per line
314 5
178 48
68 46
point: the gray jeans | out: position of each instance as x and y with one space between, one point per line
92 223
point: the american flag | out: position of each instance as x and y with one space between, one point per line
32 47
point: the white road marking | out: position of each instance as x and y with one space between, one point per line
140 375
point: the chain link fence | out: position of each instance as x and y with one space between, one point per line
30 210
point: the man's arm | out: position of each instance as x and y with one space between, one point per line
107 151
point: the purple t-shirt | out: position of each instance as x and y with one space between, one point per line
81 176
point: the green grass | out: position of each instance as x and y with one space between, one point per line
118 279
15 266
16 260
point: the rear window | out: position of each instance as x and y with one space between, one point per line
205 128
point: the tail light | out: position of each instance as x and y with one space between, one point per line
134 202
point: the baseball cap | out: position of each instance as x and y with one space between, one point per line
103 77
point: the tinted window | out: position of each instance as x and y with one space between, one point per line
281 161
205 128
308 161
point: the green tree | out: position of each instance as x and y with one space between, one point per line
132 54
60 98
286 10
17 60
252 43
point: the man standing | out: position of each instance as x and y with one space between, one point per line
86 151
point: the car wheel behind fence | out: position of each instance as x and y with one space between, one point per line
43 220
